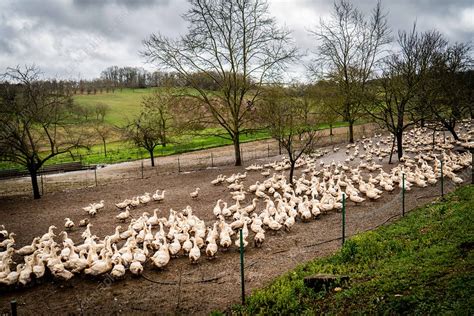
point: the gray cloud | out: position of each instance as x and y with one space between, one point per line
79 38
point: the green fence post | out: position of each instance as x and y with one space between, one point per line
13 307
442 179
242 279
343 218
403 194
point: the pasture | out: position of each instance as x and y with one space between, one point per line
213 284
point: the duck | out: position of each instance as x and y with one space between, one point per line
174 247
99 267
289 222
69 224
187 244
9 241
159 197
118 271
217 209
195 193
28 249
259 238
136 268
12 276
122 216
83 222
161 257
356 199
135 201
144 199
211 248
124 204
195 252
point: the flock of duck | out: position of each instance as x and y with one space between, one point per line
273 205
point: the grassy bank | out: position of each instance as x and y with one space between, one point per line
422 264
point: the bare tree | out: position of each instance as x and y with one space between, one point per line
350 46
101 109
403 75
290 120
36 121
328 100
237 46
447 90
159 122
104 131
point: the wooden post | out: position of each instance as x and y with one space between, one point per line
212 160
95 175
179 166
142 168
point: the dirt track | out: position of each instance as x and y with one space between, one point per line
181 288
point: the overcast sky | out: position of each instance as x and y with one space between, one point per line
79 38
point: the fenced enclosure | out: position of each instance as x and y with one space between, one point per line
102 174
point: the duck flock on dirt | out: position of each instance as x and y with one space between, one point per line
273 204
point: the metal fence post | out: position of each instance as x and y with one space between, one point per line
472 165
403 194
13 307
242 279
442 180
343 218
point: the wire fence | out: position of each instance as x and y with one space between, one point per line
103 174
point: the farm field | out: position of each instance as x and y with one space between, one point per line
125 104
180 287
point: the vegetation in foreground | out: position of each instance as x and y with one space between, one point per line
423 264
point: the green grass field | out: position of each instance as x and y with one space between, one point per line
421 265
124 104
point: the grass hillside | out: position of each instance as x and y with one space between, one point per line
124 104
423 264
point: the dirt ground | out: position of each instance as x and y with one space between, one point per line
182 288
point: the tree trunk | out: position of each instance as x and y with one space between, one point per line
351 132
400 144
152 158
34 183
105 147
330 129
292 170
452 131
238 159
391 151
